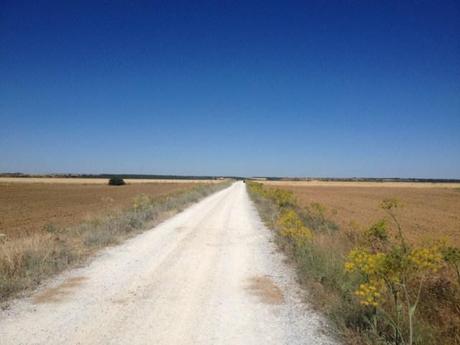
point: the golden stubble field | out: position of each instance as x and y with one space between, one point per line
429 212
30 204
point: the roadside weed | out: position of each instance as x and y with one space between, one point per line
375 286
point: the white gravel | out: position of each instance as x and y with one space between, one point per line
187 281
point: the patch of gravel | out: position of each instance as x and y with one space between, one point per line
303 324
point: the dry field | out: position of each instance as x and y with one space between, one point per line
26 208
66 180
352 277
315 183
50 227
430 211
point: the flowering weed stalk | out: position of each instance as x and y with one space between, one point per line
393 268
374 285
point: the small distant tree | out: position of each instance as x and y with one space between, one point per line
116 181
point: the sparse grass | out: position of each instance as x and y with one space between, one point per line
27 208
26 261
430 318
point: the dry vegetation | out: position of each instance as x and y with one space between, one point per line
26 208
427 212
52 227
388 184
376 285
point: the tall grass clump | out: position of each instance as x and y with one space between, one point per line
26 261
374 286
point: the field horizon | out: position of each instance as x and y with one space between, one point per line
230 172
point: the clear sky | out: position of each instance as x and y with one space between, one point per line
307 88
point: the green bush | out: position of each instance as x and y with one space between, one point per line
116 181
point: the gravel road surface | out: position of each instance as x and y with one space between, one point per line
209 275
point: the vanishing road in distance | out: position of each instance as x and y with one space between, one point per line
209 275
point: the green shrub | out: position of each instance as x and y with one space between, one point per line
116 181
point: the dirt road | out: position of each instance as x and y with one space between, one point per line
209 275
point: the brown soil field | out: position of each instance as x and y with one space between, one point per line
28 207
426 213
76 180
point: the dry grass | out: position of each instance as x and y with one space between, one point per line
28 257
30 207
427 213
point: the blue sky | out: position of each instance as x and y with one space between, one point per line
307 88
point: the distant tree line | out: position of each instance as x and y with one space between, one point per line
357 179
123 176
